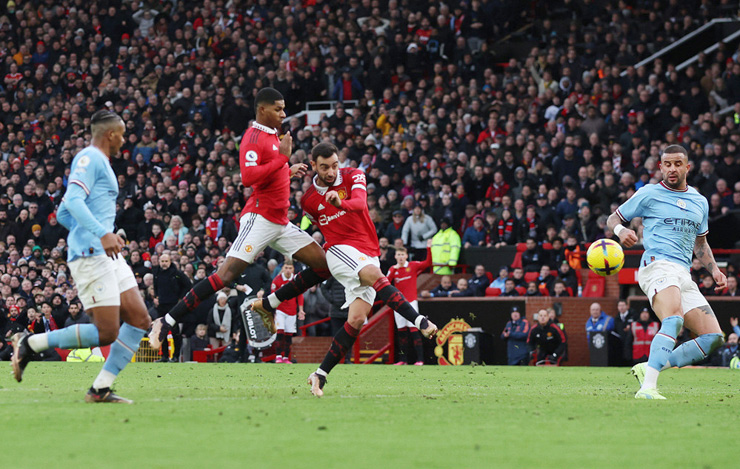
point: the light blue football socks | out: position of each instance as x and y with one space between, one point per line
121 352
661 349
695 350
77 336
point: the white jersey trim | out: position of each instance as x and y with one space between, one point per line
322 190
81 184
264 128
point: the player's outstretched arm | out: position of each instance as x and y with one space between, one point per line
704 253
626 236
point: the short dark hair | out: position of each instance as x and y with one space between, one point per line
267 96
102 119
323 150
102 116
675 149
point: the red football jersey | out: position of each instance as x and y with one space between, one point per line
289 307
349 224
405 278
267 171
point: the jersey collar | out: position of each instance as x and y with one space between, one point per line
674 190
322 190
263 128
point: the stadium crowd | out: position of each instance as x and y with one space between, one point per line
533 150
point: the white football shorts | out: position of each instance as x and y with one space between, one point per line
661 274
256 233
402 321
345 264
286 322
100 280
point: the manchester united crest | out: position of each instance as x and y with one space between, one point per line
342 193
451 334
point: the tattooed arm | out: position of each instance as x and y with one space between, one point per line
704 253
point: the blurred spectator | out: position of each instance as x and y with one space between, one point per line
622 335
219 322
394 230
462 288
532 257
509 288
479 282
707 286
442 290
76 315
170 284
417 229
545 281
515 334
387 256
554 318
568 277
316 307
533 289
547 342
731 289
199 340
727 352
518 277
599 321
475 235
500 281
643 332
445 248
333 291
559 289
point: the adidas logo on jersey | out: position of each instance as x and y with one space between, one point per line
321 206
274 147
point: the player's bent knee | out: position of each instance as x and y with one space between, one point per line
356 323
673 324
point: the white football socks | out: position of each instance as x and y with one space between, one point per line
38 342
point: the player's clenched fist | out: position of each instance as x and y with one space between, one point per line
333 198
627 237
286 145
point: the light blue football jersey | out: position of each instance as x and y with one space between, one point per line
671 219
88 209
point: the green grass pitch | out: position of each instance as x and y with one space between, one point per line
263 416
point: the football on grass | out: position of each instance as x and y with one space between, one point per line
605 257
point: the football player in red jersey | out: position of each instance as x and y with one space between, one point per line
404 276
337 204
263 159
285 316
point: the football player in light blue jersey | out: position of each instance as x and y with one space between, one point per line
105 284
674 218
